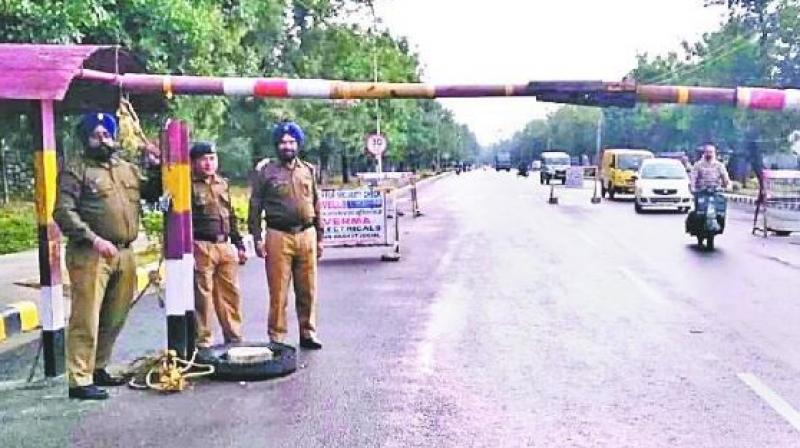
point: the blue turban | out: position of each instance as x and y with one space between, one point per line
288 127
90 121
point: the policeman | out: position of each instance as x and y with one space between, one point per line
98 209
214 222
284 191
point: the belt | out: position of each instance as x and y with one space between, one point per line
212 238
291 229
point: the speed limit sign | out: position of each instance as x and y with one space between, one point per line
376 144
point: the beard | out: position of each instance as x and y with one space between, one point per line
287 155
103 151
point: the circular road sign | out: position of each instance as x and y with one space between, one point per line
376 144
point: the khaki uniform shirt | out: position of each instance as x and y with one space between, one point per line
212 213
709 175
287 196
99 198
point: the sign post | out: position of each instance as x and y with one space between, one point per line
376 145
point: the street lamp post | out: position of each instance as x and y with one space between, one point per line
595 197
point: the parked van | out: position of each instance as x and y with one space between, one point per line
618 168
554 166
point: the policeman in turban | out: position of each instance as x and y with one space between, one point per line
98 209
284 195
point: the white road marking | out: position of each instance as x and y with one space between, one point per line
586 239
773 399
643 286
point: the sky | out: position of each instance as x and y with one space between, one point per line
515 41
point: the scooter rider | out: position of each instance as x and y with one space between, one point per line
708 172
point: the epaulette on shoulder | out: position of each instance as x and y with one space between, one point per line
75 166
308 165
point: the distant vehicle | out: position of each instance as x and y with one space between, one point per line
554 166
662 183
536 165
618 168
502 161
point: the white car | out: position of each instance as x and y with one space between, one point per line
662 184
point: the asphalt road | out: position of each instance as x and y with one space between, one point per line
508 322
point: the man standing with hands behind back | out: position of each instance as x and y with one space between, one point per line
214 222
285 192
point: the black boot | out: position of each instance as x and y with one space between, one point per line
310 343
103 378
90 392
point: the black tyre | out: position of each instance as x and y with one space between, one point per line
638 208
710 242
611 192
782 233
284 362
700 240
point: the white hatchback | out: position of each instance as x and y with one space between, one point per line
662 184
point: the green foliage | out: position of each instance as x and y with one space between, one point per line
17 227
153 225
308 38
756 46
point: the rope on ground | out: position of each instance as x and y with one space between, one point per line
166 372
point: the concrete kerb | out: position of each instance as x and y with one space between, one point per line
18 317
751 200
23 316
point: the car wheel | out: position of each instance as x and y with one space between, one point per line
710 242
611 192
638 208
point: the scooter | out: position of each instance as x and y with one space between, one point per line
707 220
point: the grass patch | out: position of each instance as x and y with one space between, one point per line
17 227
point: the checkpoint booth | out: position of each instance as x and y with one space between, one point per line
779 211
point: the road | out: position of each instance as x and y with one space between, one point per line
508 322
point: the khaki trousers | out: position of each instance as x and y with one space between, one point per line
216 284
291 257
101 292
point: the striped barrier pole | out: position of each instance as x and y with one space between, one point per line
46 187
179 264
589 93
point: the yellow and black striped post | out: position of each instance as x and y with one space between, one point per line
46 173
176 176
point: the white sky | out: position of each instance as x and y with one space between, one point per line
514 41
